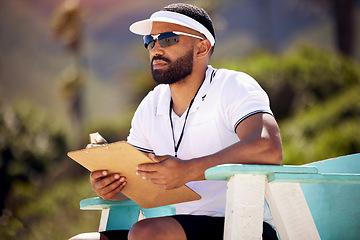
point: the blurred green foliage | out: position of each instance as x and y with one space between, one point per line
112 129
30 144
54 213
328 129
299 79
314 95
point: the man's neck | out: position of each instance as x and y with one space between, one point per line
184 91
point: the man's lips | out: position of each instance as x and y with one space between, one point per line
158 64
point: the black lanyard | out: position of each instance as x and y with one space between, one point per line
176 146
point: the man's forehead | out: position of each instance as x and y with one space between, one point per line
160 27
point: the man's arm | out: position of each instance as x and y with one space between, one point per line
260 143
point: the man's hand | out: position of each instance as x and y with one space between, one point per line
168 172
108 186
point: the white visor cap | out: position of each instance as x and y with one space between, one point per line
144 27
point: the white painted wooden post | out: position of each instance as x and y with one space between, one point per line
290 211
244 207
104 219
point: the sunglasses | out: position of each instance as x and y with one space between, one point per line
165 39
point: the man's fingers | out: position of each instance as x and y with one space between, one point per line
152 167
112 189
147 167
103 182
96 175
109 187
147 175
152 177
112 195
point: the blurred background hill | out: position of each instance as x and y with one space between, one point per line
67 70
31 61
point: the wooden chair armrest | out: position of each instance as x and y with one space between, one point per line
275 173
97 203
121 215
225 171
315 178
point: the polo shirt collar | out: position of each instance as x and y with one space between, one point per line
163 104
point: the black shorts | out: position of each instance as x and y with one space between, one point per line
212 228
197 228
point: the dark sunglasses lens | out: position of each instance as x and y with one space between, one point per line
149 42
165 40
168 41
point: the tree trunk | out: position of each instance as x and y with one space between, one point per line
344 12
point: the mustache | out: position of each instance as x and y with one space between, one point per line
165 59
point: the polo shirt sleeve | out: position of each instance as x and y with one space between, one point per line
243 97
137 136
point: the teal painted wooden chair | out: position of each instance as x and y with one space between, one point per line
320 200
121 215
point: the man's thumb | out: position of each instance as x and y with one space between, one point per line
153 157
156 158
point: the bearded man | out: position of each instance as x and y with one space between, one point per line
197 117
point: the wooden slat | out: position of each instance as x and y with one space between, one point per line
290 211
104 219
244 207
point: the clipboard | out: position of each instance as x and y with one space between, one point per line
120 157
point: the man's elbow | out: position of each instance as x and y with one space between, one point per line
276 154
273 154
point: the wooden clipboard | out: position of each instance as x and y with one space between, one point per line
121 157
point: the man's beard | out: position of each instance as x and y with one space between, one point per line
176 70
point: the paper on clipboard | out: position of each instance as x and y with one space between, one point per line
121 157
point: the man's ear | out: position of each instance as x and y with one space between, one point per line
204 48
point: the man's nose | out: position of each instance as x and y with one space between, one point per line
157 49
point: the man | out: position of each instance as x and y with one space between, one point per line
196 118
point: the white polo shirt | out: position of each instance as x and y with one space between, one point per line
224 100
